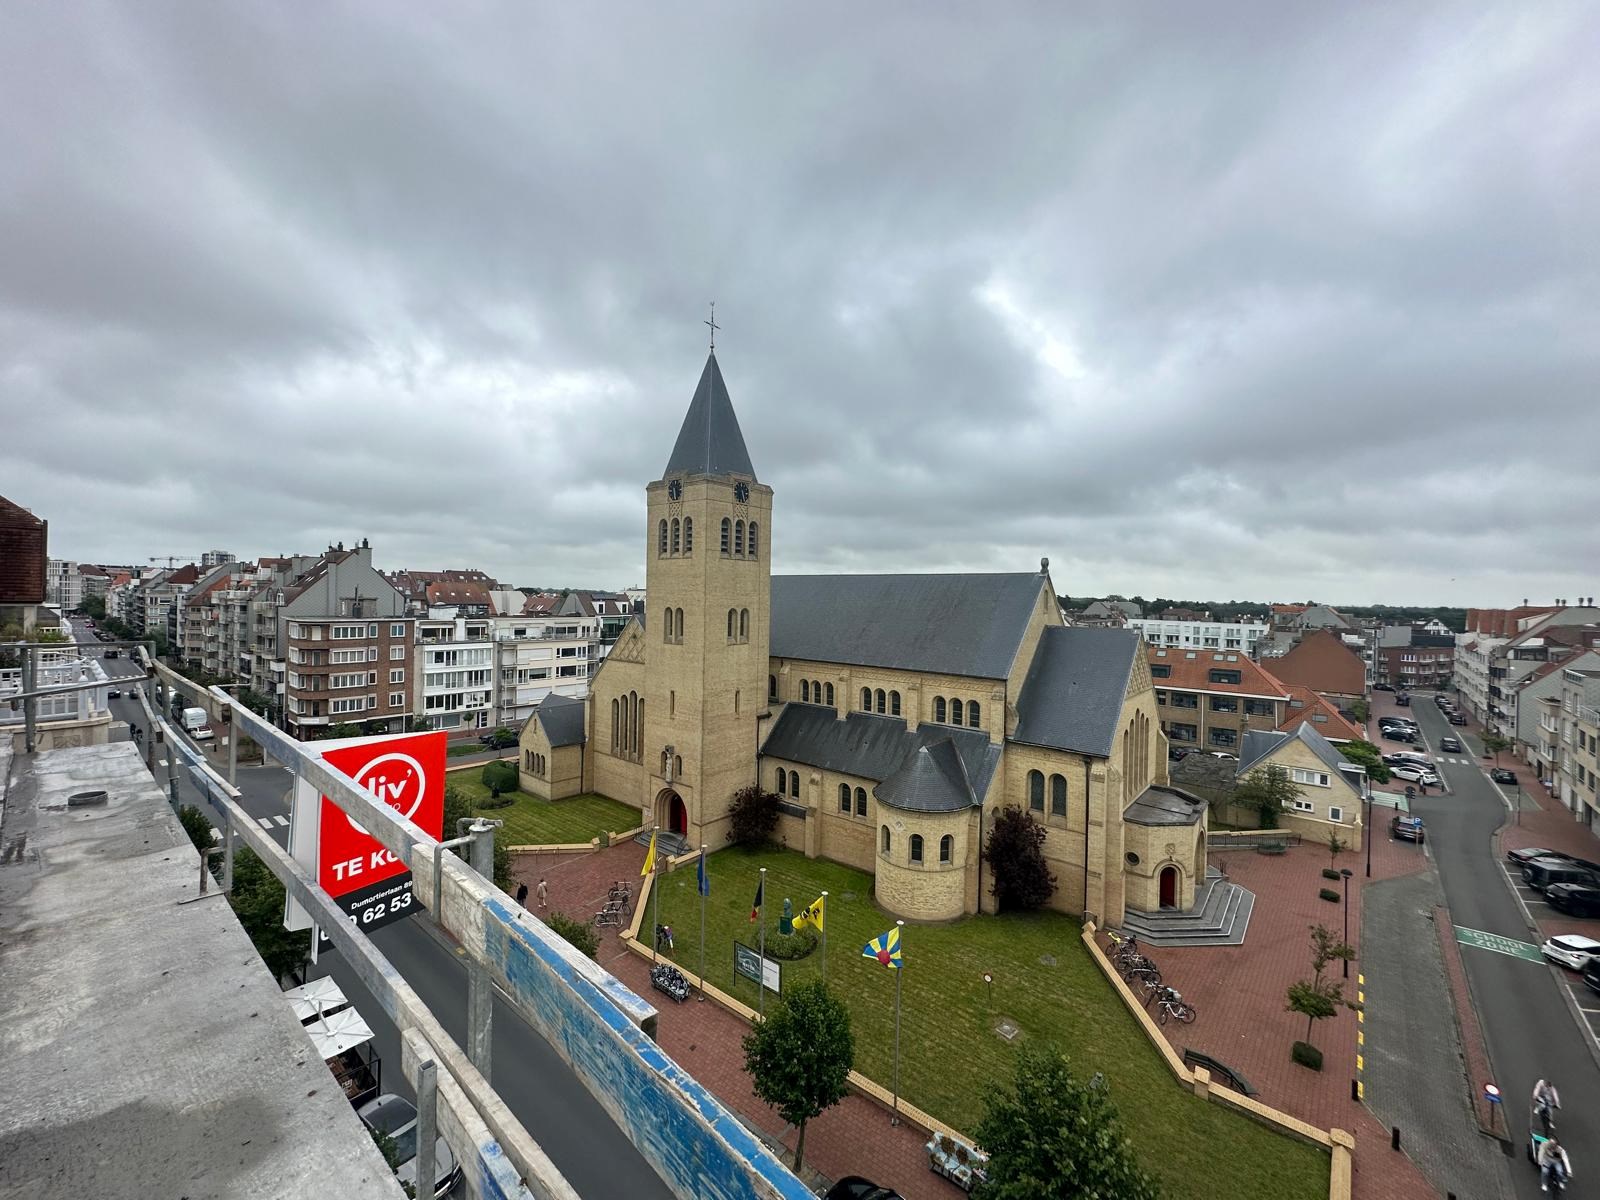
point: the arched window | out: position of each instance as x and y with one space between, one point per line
677 534
1036 791
783 782
794 784
680 626
844 798
672 704
829 700
677 766
772 687
955 712
730 624
916 847
623 740
972 713
744 624
738 539
688 535
727 532
861 802
938 709
884 840
1058 795
866 699
666 627
616 730
735 701
754 540
805 691
894 704
635 723
947 848
882 701
661 547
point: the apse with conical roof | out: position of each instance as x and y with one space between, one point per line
710 442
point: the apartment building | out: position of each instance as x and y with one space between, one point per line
1241 636
93 580
1503 648
1209 699
454 670
63 585
414 585
1539 702
1410 656
537 656
1577 775
24 564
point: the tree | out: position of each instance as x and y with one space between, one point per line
580 933
752 816
1015 854
1316 998
1267 790
196 825
344 729
499 777
1493 743
1336 847
800 1056
1050 1136
1369 756
1361 708
418 725
94 607
257 899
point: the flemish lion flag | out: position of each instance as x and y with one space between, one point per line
811 916
649 859
755 907
885 948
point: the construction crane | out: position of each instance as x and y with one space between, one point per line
172 560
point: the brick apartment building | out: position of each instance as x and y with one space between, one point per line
24 555
1410 657
1208 699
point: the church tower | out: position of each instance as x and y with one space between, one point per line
708 606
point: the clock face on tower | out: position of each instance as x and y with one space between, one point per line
674 490
741 492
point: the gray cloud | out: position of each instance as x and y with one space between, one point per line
1258 300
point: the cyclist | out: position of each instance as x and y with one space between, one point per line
1554 1165
1545 1101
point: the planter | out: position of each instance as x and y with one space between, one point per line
961 1164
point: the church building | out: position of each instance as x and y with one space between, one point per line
895 716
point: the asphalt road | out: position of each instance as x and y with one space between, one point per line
1530 1030
557 1110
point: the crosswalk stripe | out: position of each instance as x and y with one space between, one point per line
264 822
281 820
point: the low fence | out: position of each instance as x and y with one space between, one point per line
1249 839
1339 1143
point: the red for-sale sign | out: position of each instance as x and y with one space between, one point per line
407 774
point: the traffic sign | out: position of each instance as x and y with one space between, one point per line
1500 945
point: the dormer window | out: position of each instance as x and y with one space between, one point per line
1160 671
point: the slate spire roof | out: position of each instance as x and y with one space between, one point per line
710 442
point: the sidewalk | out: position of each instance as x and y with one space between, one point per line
852 1138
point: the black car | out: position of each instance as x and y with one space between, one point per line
1574 899
1403 700
1399 733
854 1187
1383 687
1503 775
1591 975
1527 854
1458 718
113 693
1542 873
499 739
1450 743
1176 754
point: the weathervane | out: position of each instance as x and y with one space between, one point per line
714 326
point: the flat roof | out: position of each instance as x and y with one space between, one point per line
144 1049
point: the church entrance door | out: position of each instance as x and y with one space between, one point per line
677 816
1169 887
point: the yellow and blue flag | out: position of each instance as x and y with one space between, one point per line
885 948
811 916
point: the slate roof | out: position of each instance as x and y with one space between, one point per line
968 625
1258 744
884 749
1158 805
1190 670
1072 697
709 443
561 718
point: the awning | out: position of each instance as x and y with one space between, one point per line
333 1034
318 997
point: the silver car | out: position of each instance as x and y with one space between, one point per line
396 1118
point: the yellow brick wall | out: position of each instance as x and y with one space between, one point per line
917 690
1315 826
930 891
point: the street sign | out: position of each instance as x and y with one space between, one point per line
1500 945
752 966
372 886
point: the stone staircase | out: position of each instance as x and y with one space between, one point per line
668 844
1220 917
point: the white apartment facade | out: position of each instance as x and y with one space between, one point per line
454 672
63 585
1240 636
540 656
1577 778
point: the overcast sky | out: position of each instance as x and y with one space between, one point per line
1277 301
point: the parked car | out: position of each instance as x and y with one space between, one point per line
1458 718
499 739
1398 723
1383 687
1416 773
1398 733
1574 899
1542 872
1591 975
1407 829
1520 858
1447 742
1503 775
1571 950
854 1187
1176 753
1223 754
113 693
1400 757
396 1118
1403 700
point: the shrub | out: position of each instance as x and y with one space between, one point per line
1329 873
801 943
499 777
577 932
1329 894
502 800
752 816
1015 853
1306 1055
197 826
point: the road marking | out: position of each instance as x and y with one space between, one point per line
1581 1008
264 822
1484 940
281 820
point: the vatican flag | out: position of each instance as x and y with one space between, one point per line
811 916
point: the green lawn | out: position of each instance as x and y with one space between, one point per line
531 821
949 1054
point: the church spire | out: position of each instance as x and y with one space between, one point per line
710 442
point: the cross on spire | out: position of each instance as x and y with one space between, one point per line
714 326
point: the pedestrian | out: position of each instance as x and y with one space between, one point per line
522 894
544 892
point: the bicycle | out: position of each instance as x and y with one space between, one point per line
1151 984
608 916
1137 962
619 893
1172 1005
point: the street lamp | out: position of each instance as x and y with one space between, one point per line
1346 873
1367 830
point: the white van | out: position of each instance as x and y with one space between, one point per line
196 724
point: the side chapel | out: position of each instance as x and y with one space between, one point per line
895 715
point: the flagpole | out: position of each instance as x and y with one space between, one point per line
701 889
894 1118
655 909
761 968
824 938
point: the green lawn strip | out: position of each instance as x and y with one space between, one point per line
949 1055
530 821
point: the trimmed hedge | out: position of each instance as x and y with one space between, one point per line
1306 1055
1329 873
802 943
1329 894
